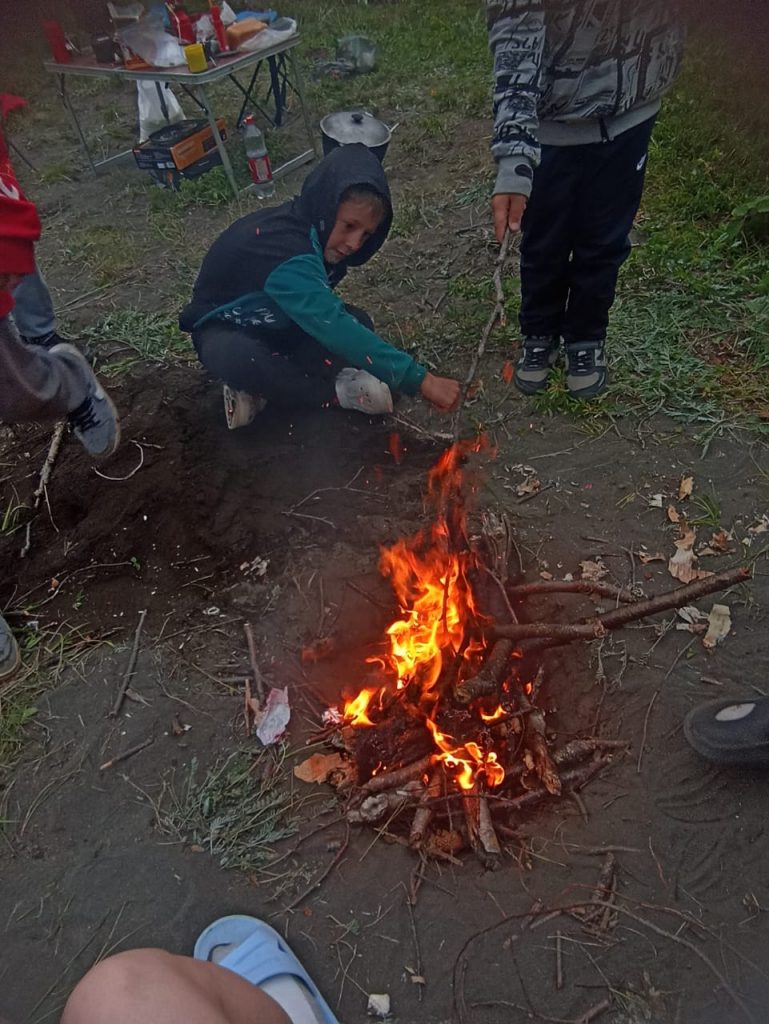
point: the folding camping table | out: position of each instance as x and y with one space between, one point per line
284 79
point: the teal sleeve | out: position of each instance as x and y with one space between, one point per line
301 289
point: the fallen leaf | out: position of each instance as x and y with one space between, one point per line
644 557
719 624
762 526
507 372
686 487
319 650
272 722
683 565
546 575
176 726
674 516
530 485
593 571
690 613
318 767
136 697
721 540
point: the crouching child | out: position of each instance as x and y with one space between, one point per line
265 319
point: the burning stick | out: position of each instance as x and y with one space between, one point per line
389 780
576 778
491 676
480 829
424 812
575 751
537 743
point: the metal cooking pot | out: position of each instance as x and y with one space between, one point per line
346 126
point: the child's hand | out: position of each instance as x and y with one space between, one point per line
443 392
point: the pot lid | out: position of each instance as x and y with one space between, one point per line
346 126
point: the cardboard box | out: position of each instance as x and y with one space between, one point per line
187 147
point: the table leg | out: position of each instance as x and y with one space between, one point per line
299 86
203 98
63 96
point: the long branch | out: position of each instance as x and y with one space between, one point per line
630 613
570 587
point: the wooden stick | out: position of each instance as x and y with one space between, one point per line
577 777
126 754
45 476
389 780
497 313
129 668
480 829
630 613
558 962
536 742
424 812
519 590
491 676
258 681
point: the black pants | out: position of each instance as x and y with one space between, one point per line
292 371
575 234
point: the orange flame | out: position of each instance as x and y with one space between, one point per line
494 716
429 575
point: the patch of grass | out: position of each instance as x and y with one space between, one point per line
55 172
109 252
241 808
708 510
149 338
45 654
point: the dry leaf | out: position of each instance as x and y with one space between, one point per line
719 624
546 575
674 516
530 485
686 487
720 540
318 767
593 571
690 613
762 526
644 557
507 372
683 565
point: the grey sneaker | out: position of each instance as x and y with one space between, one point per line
95 422
537 358
9 652
240 407
361 390
586 374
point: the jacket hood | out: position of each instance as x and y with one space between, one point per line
318 202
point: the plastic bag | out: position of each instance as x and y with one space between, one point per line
281 29
158 107
149 40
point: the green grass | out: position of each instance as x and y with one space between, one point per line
243 806
46 651
148 338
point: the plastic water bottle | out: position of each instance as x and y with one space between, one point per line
258 158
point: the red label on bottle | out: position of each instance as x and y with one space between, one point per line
260 170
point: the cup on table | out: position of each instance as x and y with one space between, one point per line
196 57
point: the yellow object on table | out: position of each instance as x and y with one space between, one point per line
196 57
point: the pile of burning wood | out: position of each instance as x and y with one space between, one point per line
449 742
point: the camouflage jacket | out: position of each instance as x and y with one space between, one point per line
568 72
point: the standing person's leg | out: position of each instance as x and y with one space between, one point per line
545 252
38 385
149 986
609 196
33 311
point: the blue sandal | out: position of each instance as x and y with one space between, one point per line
256 952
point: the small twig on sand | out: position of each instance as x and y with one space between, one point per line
319 880
497 313
126 754
129 668
558 961
45 476
258 680
646 727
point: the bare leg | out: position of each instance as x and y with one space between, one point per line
150 986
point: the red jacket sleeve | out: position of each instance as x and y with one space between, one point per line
19 227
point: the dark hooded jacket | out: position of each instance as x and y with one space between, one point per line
267 271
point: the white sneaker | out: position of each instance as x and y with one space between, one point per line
240 407
360 390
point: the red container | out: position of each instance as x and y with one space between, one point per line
57 44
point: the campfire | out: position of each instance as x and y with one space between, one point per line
446 741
